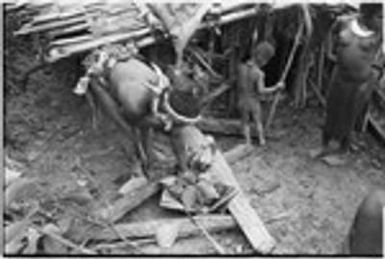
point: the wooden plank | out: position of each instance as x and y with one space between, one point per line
190 138
228 127
50 26
60 52
244 214
143 229
237 153
129 201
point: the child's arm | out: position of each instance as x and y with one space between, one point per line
262 89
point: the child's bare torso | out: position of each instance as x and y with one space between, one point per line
248 77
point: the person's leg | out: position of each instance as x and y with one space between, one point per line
365 236
245 125
324 149
257 117
345 144
325 139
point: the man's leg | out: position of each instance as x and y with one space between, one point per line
345 144
325 139
320 152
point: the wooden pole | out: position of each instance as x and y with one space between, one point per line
215 93
277 96
318 94
321 65
50 26
146 229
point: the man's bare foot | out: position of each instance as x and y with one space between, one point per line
321 152
262 142
315 153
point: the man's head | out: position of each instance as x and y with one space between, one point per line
263 52
371 15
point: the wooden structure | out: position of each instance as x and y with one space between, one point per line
67 29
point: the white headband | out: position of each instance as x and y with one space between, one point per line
359 31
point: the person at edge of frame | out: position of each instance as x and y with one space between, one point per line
354 42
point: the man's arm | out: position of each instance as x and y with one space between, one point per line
332 40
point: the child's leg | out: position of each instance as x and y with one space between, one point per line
257 116
261 135
246 126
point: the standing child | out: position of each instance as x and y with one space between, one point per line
251 85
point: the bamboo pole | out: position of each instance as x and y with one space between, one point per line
68 30
75 40
50 26
277 96
65 51
57 16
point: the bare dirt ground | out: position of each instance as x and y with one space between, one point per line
307 205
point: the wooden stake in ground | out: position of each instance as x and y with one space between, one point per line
185 138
